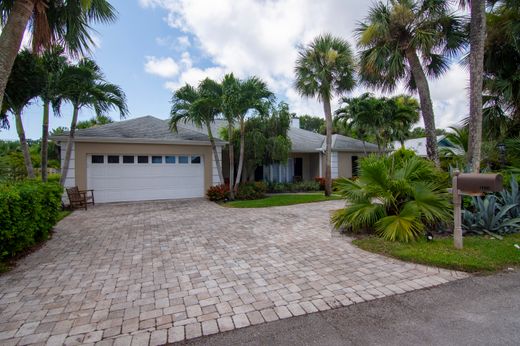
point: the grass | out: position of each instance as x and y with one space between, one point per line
481 254
281 200
63 214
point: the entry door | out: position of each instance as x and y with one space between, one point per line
298 168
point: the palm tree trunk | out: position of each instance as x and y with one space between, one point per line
242 150
476 68
11 39
70 143
364 147
45 140
231 162
215 153
328 151
426 105
23 143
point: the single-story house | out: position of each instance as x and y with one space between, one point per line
141 159
418 145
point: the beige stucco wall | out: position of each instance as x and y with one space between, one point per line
345 163
83 149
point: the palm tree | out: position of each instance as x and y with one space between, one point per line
84 85
230 90
410 40
98 120
253 95
456 148
404 111
363 115
24 84
325 68
200 106
53 62
67 23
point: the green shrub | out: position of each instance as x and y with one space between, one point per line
396 197
302 186
218 193
249 191
28 212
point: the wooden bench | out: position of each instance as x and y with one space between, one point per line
80 198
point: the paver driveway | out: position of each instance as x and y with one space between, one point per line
163 271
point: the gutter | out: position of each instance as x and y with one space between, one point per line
135 140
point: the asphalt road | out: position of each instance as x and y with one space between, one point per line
474 311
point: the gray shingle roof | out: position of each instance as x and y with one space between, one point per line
304 141
344 143
147 127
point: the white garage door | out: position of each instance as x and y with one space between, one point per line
116 178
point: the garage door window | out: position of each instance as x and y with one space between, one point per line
142 159
113 159
156 159
195 159
169 159
128 159
184 159
98 159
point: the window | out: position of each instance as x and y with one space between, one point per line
355 168
169 159
195 159
156 159
98 159
128 159
183 159
113 159
142 159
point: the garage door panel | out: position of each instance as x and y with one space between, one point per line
136 182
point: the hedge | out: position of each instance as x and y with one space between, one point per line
28 211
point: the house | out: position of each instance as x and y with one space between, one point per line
141 159
418 145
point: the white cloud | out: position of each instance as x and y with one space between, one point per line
183 41
162 67
253 37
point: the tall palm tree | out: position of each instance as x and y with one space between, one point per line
410 40
230 91
324 68
84 85
200 106
53 63
24 84
67 23
253 95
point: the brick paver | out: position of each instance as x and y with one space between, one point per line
153 272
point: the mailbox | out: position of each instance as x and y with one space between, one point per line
479 183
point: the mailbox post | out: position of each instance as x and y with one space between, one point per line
470 184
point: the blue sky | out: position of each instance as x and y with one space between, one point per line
158 45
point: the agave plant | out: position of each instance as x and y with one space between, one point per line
490 217
397 197
510 197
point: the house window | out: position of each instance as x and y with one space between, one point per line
156 159
184 159
195 159
142 159
169 159
98 159
113 159
128 159
355 166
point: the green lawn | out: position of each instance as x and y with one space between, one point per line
281 200
63 214
480 254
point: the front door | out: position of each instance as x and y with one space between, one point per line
298 169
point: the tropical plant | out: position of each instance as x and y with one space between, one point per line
67 23
98 120
53 63
403 113
323 69
396 197
230 88
199 106
84 85
311 123
490 217
25 83
410 40
511 196
454 147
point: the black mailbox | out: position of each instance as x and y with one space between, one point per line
479 183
